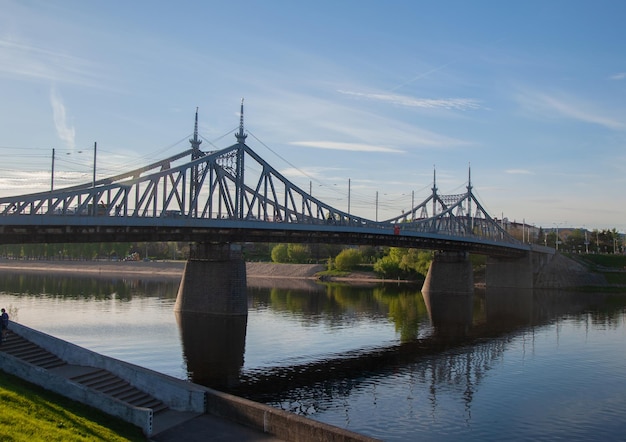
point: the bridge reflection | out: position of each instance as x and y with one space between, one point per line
441 354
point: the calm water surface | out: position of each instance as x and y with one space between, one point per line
515 366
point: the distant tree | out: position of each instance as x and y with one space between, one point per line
404 262
541 236
298 253
388 267
348 259
279 253
575 241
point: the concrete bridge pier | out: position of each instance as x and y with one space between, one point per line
449 291
214 281
510 273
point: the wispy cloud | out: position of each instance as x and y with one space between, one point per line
66 133
22 60
309 172
519 172
618 76
353 147
570 107
429 103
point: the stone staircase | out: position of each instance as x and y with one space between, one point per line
107 383
95 378
25 350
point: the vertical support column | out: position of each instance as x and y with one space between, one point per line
449 291
214 281
509 272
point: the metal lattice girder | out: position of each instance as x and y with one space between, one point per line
236 184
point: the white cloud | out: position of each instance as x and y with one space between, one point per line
429 103
353 147
619 76
66 133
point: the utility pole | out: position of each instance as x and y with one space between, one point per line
377 206
52 173
348 196
95 148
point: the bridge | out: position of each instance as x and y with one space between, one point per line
219 198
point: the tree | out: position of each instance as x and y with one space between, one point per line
298 253
404 262
348 259
279 253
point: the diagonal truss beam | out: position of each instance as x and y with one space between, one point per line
236 184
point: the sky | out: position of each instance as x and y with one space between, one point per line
366 98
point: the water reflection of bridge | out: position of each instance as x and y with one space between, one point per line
445 356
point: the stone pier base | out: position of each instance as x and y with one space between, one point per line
449 290
509 273
214 281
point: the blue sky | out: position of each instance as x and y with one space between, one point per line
532 94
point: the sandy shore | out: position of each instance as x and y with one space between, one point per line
155 268
174 269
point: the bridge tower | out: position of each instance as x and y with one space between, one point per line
194 188
241 141
214 279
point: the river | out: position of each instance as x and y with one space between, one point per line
543 365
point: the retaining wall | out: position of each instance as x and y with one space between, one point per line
141 417
178 394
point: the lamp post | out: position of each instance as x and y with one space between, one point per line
556 245
348 196
52 173
95 147
377 206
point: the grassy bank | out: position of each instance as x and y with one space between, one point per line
612 267
30 413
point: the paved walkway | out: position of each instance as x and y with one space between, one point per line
207 427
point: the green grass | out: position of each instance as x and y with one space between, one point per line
31 413
608 261
615 277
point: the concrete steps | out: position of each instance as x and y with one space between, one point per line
95 378
25 350
112 385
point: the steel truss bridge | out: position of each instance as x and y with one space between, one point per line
233 195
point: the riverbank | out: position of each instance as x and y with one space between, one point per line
562 272
174 269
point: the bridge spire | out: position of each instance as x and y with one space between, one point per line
241 137
195 141
469 197
434 189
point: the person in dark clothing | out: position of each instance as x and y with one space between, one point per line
4 323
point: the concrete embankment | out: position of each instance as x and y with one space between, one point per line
165 408
563 272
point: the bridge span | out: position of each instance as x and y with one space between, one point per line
219 198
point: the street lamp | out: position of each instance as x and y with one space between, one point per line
377 206
556 242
